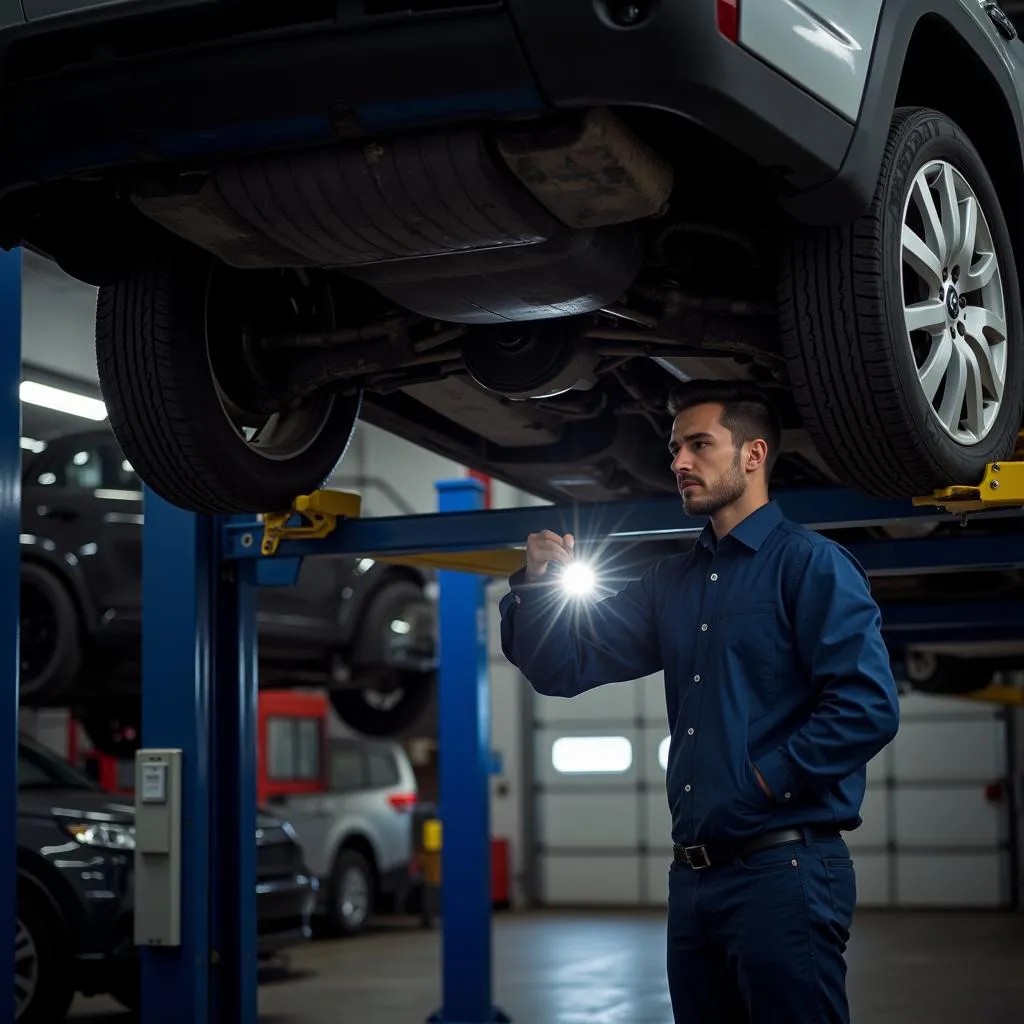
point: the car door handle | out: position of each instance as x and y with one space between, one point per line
1001 20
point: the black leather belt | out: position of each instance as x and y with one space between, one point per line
706 855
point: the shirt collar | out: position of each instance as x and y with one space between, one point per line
751 532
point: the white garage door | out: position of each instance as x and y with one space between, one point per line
602 826
931 838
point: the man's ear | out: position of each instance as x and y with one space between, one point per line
757 453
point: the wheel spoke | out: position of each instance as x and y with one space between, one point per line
985 329
980 274
974 413
921 259
950 210
951 410
934 235
963 254
929 316
935 365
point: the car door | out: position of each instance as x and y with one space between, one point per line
82 496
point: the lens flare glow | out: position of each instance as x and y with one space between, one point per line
579 579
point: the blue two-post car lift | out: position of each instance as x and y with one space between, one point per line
200 676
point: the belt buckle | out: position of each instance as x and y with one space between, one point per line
702 850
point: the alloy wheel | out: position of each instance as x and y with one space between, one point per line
954 305
353 897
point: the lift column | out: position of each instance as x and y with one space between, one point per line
464 729
198 944
10 570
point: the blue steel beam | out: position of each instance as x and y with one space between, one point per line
10 570
464 730
605 522
963 553
961 618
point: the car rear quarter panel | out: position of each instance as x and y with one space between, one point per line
823 45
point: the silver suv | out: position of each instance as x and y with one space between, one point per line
358 834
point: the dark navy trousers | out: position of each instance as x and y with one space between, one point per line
761 939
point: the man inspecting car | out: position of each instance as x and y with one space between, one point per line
779 691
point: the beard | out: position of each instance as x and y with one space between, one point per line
729 487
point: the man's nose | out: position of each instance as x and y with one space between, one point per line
681 463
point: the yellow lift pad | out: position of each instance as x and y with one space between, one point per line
1002 486
320 511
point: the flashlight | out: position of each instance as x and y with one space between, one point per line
577 578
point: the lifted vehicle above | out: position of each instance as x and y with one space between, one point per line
503 230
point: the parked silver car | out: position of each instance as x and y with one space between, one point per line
358 834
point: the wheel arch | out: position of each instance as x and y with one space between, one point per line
898 76
359 840
43 883
923 83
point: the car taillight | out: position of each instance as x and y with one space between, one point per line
402 802
728 12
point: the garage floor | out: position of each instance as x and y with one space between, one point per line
606 968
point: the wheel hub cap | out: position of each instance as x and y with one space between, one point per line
954 305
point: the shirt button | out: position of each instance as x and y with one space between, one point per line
714 576
689 732
687 787
703 627
696 678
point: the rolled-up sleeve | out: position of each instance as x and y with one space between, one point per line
856 708
565 648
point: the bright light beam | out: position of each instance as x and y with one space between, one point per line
578 579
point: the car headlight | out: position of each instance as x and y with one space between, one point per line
105 835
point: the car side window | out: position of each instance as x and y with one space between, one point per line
383 771
347 769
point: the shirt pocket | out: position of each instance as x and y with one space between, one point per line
747 653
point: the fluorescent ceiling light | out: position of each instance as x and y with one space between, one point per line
30 444
62 401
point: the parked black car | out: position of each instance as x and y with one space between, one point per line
73 931
365 629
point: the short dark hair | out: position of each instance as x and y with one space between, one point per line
746 413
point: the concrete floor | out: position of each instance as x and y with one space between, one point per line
608 968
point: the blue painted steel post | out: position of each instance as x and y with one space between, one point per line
10 570
178 564
233 823
464 726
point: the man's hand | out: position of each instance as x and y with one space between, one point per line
545 547
762 783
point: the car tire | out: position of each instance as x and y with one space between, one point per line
945 675
351 894
175 401
42 966
51 640
386 712
853 353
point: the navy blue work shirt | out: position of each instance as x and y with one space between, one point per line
772 652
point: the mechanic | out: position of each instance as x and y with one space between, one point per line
779 691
